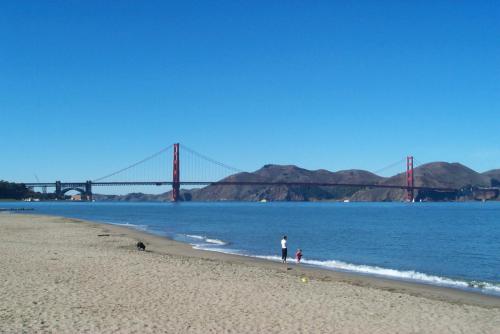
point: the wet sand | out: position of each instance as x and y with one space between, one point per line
60 275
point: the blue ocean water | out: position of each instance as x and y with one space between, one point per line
450 244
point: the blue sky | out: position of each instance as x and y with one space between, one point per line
87 87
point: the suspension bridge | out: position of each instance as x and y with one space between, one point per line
200 170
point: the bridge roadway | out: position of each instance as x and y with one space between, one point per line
234 183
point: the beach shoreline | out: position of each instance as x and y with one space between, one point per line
120 241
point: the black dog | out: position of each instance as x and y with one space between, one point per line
141 246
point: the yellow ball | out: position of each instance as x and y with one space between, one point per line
304 279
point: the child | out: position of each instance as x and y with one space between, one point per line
298 255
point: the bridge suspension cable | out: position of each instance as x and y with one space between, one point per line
204 157
428 171
134 164
418 163
392 165
196 166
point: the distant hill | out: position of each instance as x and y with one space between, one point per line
142 197
286 173
435 174
494 176
132 197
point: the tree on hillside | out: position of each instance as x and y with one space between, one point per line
9 190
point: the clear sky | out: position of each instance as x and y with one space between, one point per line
87 87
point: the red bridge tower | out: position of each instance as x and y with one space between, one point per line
176 184
409 179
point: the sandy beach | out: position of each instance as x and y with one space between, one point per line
61 275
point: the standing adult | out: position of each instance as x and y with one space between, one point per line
283 249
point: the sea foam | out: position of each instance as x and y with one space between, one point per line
206 240
407 275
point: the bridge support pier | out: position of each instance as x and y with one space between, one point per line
58 191
410 180
176 185
88 190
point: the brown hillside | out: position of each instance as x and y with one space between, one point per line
287 173
435 174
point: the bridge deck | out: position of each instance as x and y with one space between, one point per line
236 183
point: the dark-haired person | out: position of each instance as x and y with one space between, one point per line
283 249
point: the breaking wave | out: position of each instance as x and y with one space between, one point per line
206 240
407 275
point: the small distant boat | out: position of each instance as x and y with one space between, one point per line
346 201
263 200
